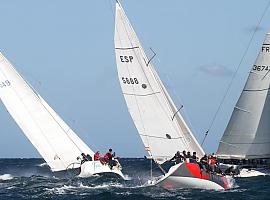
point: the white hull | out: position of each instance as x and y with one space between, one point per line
172 181
245 173
249 172
91 168
177 182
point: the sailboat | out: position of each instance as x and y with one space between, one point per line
56 142
246 139
160 125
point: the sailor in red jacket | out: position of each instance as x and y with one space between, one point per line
212 162
108 157
97 156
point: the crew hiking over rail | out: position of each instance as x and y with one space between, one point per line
207 163
108 159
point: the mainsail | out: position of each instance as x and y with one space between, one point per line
51 136
158 121
248 132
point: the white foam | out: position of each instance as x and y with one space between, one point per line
127 177
5 177
70 188
104 185
61 190
42 164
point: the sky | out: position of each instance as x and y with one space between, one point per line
65 50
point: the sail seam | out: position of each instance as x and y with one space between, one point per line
256 90
238 108
161 137
141 94
126 48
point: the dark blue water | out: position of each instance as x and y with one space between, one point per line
31 179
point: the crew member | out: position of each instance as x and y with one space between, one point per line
97 156
204 163
193 158
188 156
83 158
212 162
178 157
184 154
108 157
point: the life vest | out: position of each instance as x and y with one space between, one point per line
212 161
96 156
107 155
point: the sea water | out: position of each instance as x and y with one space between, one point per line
32 179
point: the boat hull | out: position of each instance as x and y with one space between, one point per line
189 175
244 171
176 182
90 168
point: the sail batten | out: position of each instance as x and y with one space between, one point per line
249 127
50 135
149 104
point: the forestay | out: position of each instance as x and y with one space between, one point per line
248 132
50 135
160 125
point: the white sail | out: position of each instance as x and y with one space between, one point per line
160 125
50 135
248 132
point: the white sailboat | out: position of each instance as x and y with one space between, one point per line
161 127
50 135
246 139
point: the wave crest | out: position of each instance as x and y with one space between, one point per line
5 177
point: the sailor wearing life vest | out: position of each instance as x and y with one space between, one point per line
108 157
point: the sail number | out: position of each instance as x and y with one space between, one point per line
261 67
130 80
126 59
4 83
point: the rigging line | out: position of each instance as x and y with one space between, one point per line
233 77
162 170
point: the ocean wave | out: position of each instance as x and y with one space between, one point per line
74 189
59 190
102 186
5 177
